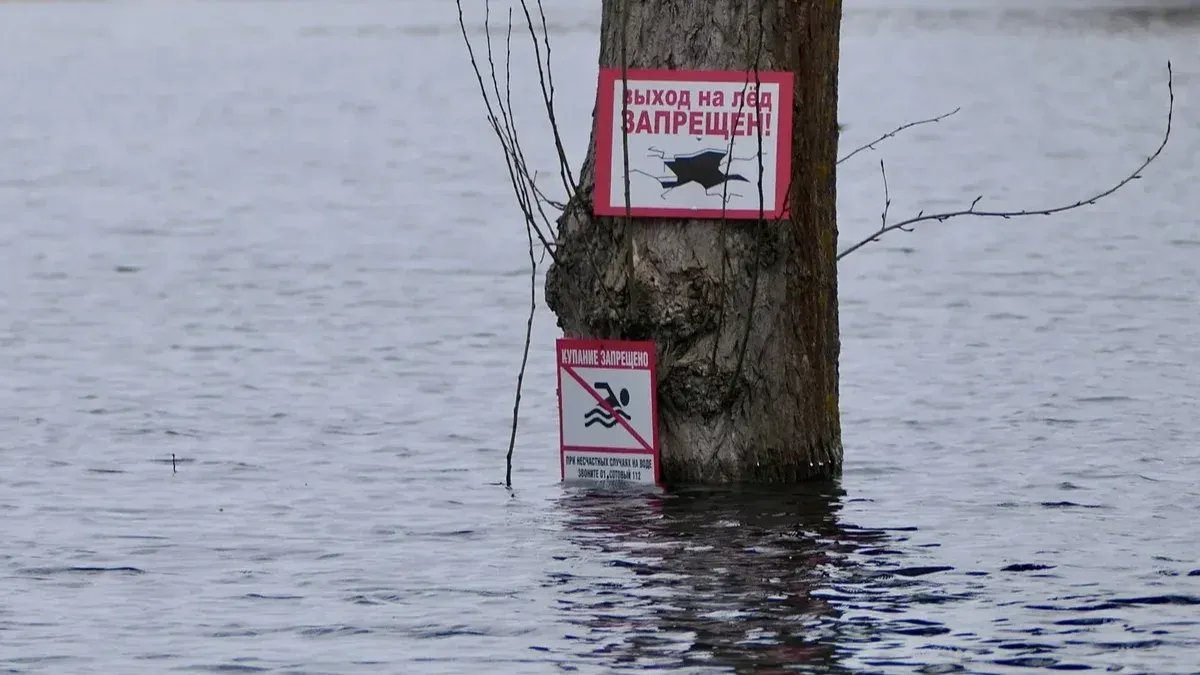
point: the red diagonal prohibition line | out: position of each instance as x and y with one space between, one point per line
608 408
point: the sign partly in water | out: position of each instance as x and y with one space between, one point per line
697 144
608 411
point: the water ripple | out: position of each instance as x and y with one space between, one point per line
261 307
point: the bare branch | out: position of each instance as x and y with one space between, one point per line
625 105
542 196
513 166
512 438
526 185
1087 201
626 230
893 132
528 188
887 198
529 197
760 227
722 231
548 95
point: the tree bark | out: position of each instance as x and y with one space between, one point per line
744 313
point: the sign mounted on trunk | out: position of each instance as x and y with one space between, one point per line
698 144
608 411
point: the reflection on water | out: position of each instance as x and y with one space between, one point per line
778 581
731 578
708 578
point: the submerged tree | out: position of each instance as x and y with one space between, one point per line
744 313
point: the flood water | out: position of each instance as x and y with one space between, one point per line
276 242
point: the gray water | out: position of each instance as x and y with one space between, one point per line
275 242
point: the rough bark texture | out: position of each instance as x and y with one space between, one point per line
755 404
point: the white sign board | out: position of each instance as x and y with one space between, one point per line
608 411
697 144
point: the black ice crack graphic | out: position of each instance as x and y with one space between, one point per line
702 168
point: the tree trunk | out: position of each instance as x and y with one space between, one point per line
744 313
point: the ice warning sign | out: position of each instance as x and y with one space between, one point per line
697 144
608 411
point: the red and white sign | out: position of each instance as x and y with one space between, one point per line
608 411
694 143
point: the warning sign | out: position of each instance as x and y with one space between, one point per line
608 411
694 143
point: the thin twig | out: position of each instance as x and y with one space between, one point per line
542 196
548 96
893 132
524 187
627 228
513 169
971 211
564 165
529 184
887 198
721 234
523 200
625 103
760 226
505 116
513 150
589 252
512 438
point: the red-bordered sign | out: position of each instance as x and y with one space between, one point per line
608 411
694 142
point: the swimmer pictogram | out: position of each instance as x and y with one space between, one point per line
600 415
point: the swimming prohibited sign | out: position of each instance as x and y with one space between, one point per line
608 411
697 144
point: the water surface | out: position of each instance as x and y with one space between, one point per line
278 244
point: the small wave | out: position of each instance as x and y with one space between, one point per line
1028 662
1026 567
81 569
340 631
1085 621
920 571
1133 644
229 668
453 631
922 631
1026 647
1160 600
1070 505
